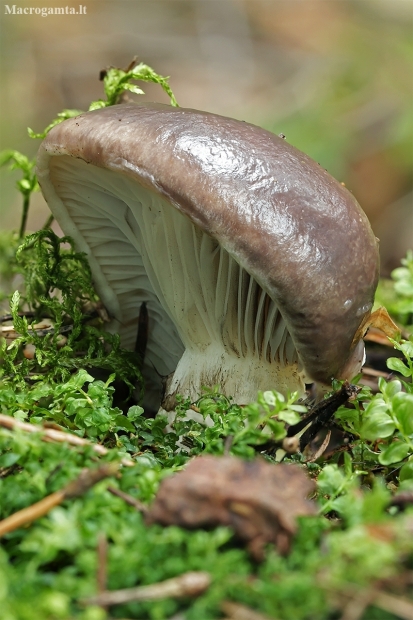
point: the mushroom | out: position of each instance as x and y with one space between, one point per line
257 268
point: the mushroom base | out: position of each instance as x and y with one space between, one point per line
239 377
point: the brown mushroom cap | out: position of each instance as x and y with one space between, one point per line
298 232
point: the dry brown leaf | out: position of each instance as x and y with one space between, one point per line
259 500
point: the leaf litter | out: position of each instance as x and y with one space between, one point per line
258 500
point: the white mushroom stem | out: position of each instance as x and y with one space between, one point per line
242 376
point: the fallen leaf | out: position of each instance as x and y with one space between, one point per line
259 500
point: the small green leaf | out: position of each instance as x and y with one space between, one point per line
291 417
269 398
80 378
406 347
41 391
277 429
24 185
299 408
394 453
377 426
20 415
134 412
62 116
394 363
97 105
376 404
75 405
14 303
8 459
6 157
406 472
330 479
392 388
124 423
348 464
350 418
402 404
133 89
110 379
375 502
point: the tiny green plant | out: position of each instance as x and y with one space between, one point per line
115 83
26 185
59 287
397 294
58 281
387 415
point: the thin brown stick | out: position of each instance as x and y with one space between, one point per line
50 434
128 499
228 444
9 332
83 483
358 601
102 559
396 605
31 513
188 584
372 372
236 611
321 449
48 222
356 606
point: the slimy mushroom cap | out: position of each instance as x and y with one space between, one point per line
257 267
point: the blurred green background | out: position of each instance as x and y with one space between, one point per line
335 76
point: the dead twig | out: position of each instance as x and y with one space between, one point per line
321 414
87 479
396 605
358 601
102 561
11 334
128 499
49 434
356 606
236 611
188 584
228 444
142 335
102 553
372 372
321 449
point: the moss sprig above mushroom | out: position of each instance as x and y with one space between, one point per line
257 268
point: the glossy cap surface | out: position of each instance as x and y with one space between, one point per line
282 217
